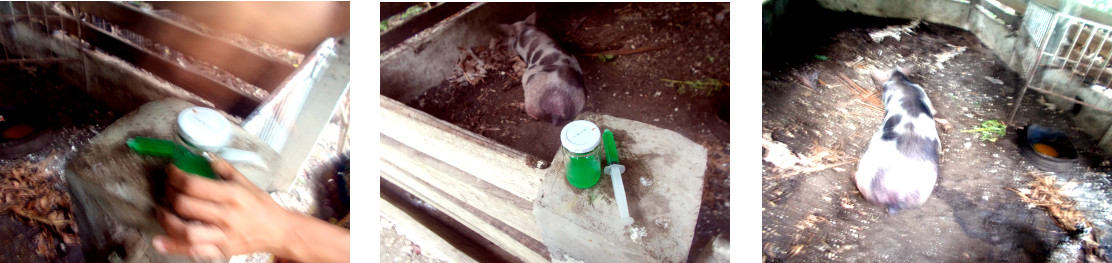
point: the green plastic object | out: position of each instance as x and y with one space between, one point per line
152 147
611 147
183 158
192 163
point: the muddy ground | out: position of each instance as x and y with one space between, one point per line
972 216
689 41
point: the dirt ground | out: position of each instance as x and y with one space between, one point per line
74 118
972 216
693 41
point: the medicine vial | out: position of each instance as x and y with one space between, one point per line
580 140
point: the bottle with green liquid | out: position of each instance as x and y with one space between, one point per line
580 140
204 134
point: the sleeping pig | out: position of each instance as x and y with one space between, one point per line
900 166
553 82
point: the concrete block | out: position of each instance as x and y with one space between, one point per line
663 183
936 11
1090 120
116 190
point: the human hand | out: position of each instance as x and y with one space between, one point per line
219 219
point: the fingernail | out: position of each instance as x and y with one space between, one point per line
158 245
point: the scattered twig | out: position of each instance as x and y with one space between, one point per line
866 95
946 56
875 108
622 51
850 82
578 22
1043 192
894 31
816 169
50 222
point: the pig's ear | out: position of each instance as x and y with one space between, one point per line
881 76
506 29
532 19
906 70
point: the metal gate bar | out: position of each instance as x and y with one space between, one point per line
1067 42
26 12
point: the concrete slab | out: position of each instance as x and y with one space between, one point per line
663 183
115 190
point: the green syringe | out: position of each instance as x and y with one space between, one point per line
184 159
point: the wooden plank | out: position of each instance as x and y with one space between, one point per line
1099 75
231 100
264 72
463 149
1020 6
419 23
490 199
431 242
1009 19
1087 43
461 236
486 225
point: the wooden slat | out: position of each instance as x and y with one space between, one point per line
470 242
261 71
233 101
486 225
462 149
1011 20
511 210
1086 43
1020 6
431 241
417 24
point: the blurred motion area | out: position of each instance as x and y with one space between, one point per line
70 69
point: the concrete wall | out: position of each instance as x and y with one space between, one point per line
1011 46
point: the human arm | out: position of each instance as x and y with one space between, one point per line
234 216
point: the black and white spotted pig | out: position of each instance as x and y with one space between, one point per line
553 82
900 167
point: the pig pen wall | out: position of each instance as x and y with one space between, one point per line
1011 46
1002 33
